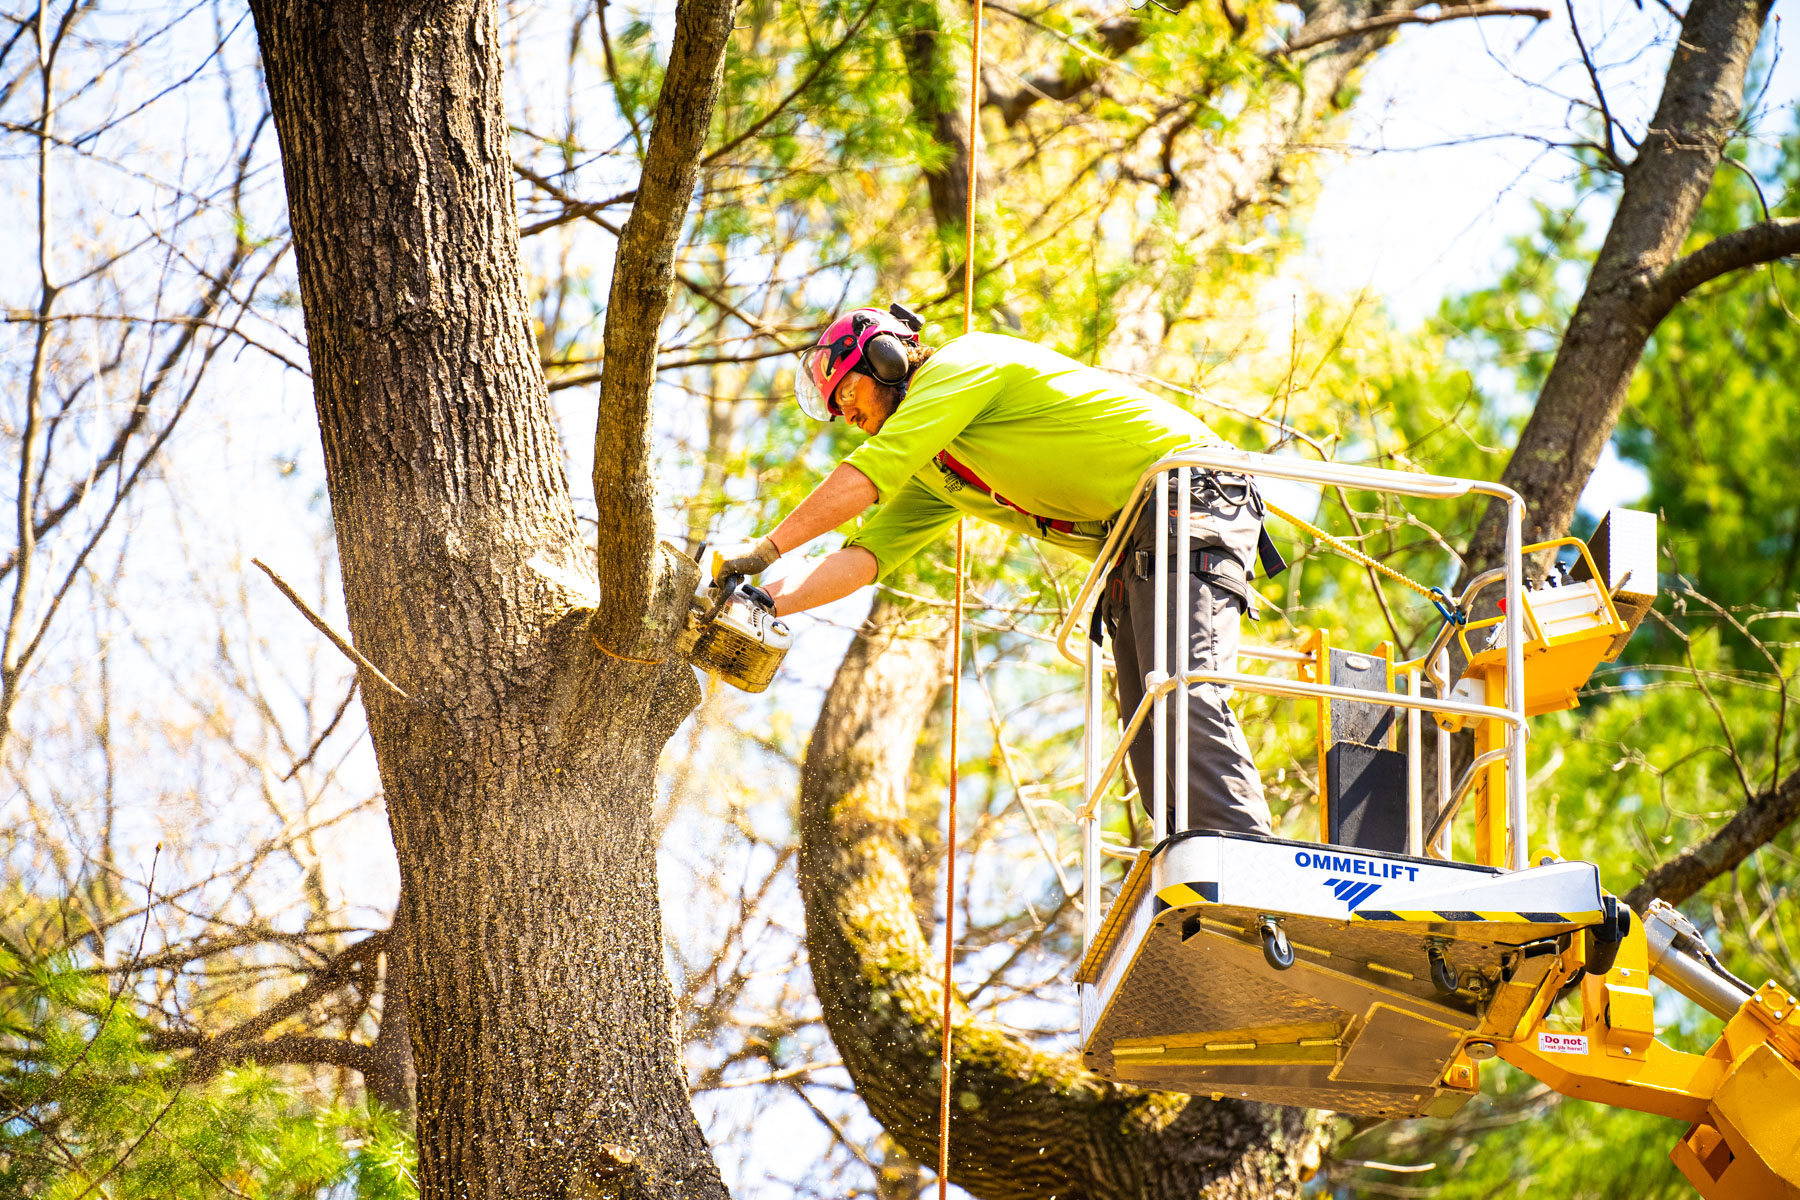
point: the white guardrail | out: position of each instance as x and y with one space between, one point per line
1160 682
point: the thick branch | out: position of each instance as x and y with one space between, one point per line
1585 391
1758 823
337 972
1306 39
643 276
1026 1123
211 1055
1771 240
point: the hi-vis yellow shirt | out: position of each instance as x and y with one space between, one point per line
1059 439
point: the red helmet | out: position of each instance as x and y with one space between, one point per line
868 338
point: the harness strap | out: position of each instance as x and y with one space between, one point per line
963 472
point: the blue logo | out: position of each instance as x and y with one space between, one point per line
1352 891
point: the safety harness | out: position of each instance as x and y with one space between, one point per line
962 471
1211 564
1206 563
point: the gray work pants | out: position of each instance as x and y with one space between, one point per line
1224 789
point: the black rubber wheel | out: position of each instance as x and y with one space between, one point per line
1443 975
1276 950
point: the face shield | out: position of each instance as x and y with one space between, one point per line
808 389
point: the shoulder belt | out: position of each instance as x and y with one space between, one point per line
962 471
1269 558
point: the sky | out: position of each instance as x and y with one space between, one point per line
1445 150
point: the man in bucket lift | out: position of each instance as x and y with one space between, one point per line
999 428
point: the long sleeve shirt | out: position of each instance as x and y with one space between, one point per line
1058 439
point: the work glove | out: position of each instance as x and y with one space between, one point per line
745 558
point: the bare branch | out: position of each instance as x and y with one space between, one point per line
1307 40
1759 822
337 639
1764 242
1610 123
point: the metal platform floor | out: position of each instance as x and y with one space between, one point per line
1179 995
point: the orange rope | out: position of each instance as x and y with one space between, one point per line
956 622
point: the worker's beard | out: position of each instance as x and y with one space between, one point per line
886 399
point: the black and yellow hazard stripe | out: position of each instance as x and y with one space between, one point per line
1467 916
1177 895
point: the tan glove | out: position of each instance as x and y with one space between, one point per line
745 558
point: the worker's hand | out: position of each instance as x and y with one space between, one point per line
745 558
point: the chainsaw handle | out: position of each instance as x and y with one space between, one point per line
725 586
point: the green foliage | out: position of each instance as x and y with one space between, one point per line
1712 414
91 1109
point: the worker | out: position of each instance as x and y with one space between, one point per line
1002 429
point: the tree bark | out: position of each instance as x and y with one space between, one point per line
1026 1123
519 777
392 1079
1621 305
639 609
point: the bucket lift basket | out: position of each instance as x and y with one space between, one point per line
1342 977
1370 972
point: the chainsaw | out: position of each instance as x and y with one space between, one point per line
732 633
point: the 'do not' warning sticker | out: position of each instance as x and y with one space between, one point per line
1562 1043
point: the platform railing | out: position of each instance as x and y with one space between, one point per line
1155 706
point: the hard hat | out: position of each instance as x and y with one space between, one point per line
865 338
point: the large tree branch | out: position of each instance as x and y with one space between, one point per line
336 974
1766 242
211 1055
1027 1123
1306 39
1759 822
1585 391
631 618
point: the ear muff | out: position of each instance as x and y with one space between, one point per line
885 356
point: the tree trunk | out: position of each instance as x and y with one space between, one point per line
519 767
1026 1123
1619 310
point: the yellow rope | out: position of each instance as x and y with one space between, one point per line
1351 552
642 662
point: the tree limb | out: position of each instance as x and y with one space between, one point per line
211 1055
628 616
1759 822
1308 39
1028 1123
1749 247
1579 404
